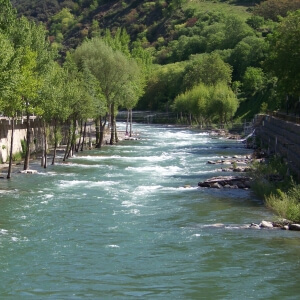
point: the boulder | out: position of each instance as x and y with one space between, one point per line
254 226
216 185
234 181
266 224
294 227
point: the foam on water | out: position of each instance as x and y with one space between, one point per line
84 183
129 221
158 170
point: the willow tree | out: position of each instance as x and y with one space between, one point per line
31 38
78 99
113 71
223 103
10 100
194 103
7 15
54 110
17 81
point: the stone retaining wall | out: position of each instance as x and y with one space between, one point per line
19 135
281 137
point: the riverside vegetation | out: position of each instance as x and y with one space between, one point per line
273 183
209 61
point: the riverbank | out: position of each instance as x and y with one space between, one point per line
17 166
270 179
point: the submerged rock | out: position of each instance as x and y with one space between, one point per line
29 172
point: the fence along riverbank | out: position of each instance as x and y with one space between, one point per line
281 137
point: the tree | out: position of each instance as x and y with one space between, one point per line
13 85
223 103
28 35
54 109
112 69
254 80
235 30
251 51
208 69
10 102
194 102
7 15
78 99
284 58
274 9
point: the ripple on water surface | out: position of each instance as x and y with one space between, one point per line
129 222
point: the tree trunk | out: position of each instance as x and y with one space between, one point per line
80 136
11 148
102 128
55 142
127 121
45 145
73 139
98 132
112 125
68 142
83 137
130 123
116 132
27 150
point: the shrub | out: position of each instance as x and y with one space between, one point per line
287 204
17 156
24 148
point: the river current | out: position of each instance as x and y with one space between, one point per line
118 223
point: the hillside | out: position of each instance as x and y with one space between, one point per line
181 36
69 22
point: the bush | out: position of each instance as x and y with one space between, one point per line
278 190
17 156
24 148
286 205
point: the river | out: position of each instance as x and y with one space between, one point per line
117 223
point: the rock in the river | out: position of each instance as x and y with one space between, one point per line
266 224
222 181
255 226
29 172
294 227
216 185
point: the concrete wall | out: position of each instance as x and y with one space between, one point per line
281 137
19 134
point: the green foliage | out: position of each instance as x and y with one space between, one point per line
209 69
24 147
164 84
274 9
7 15
212 42
208 103
263 175
254 80
264 107
286 204
249 52
18 156
284 57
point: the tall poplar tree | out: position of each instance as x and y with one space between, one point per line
112 69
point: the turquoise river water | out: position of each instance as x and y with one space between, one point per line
117 223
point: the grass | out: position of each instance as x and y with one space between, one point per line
282 195
286 205
207 5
